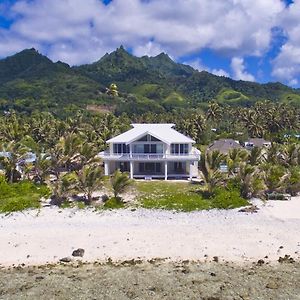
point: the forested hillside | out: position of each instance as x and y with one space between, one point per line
30 81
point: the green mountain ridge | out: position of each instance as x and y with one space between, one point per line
30 81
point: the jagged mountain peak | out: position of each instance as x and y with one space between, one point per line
151 80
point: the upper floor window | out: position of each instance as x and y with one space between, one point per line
179 148
148 148
120 148
148 138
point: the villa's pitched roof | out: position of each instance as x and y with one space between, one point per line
258 142
163 132
224 145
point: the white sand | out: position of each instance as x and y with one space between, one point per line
52 233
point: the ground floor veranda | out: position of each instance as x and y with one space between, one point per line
154 169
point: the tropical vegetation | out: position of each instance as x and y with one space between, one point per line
62 116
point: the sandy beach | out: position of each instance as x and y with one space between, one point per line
44 236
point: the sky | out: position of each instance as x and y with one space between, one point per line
253 40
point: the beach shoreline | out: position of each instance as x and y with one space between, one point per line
38 237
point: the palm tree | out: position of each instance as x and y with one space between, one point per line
214 159
273 155
14 129
291 155
209 166
87 155
274 177
119 182
250 181
235 158
89 179
41 166
14 154
62 188
255 156
214 111
65 154
292 181
252 122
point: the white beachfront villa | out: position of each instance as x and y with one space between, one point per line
152 151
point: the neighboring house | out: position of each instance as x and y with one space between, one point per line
152 151
295 135
28 158
257 142
224 145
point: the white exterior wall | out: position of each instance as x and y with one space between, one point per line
190 168
194 169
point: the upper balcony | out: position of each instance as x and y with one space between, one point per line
106 155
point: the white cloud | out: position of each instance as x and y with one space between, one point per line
286 66
239 70
198 65
150 49
81 31
293 82
220 72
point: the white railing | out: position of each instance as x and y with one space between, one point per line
147 156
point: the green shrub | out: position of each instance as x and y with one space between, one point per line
19 203
80 205
227 199
20 196
113 203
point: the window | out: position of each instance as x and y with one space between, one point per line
138 148
154 139
120 148
148 138
149 168
179 148
184 148
159 148
143 139
153 148
148 148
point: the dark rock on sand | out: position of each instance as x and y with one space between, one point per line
78 252
250 209
216 258
260 262
66 259
286 259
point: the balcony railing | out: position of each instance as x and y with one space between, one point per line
148 156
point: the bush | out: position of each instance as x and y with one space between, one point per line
227 199
113 203
20 196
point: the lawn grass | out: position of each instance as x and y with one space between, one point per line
20 196
181 196
184 196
